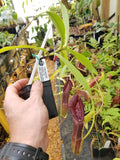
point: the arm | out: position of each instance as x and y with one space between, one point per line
27 119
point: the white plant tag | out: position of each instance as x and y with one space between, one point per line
42 71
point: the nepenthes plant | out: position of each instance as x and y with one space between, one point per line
84 107
67 68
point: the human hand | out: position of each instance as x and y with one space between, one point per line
27 119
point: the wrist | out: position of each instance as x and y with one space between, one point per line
31 141
22 151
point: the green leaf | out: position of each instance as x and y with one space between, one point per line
88 118
113 112
83 60
55 73
2 50
63 54
100 29
58 22
81 3
107 128
94 43
86 53
107 98
23 6
27 2
14 15
66 22
78 76
63 71
107 120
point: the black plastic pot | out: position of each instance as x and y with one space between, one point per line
106 152
103 154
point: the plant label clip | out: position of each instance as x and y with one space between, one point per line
48 97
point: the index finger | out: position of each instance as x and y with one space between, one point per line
12 91
18 85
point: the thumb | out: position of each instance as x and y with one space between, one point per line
37 89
